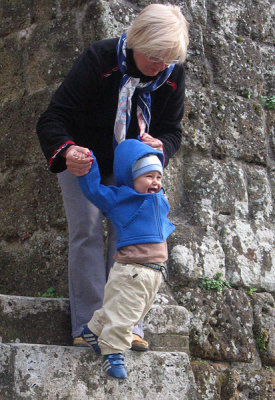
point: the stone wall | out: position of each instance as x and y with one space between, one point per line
221 184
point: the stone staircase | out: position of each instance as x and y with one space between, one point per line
38 362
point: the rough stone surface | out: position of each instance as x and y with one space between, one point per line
264 326
51 372
221 184
220 324
167 328
219 382
47 321
223 177
35 320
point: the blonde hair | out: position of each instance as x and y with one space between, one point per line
160 29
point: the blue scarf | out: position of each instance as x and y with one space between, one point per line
128 85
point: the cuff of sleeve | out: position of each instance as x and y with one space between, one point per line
57 163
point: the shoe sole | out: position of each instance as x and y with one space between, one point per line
136 347
81 345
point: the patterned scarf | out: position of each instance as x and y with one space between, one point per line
128 85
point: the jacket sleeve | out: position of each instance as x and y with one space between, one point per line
103 197
167 127
75 95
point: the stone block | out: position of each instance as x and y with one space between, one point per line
167 328
197 66
220 382
47 321
220 324
6 370
23 214
15 15
47 372
50 50
233 63
110 19
267 54
18 120
221 124
264 326
194 251
11 71
249 251
260 200
19 15
248 384
208 380
35 320
40 272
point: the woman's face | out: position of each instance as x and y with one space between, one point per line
149 66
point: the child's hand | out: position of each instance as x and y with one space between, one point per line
78 155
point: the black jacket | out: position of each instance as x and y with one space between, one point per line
83 109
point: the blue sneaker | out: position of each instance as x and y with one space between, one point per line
113 365
90 338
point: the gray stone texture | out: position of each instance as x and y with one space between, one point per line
221 325
264 325
221 187
47 321
54 372
216 381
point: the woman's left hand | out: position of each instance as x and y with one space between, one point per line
151 141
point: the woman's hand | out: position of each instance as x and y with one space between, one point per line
78 160
151 141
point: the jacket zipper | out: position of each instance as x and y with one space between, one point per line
158 217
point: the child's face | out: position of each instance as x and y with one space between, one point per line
150 182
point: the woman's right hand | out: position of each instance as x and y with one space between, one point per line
78 160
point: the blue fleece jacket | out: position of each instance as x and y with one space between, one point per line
137 217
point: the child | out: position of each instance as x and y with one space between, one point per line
138 210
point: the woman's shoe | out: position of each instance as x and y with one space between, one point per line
80 342
139 344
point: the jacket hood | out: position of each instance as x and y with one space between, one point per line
126 154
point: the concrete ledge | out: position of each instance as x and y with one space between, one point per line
57 372
35 320
47 321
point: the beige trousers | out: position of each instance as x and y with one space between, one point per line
128 296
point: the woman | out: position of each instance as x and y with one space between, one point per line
119 88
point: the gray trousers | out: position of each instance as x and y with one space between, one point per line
88 263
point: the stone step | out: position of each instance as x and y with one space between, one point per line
40 372
39 320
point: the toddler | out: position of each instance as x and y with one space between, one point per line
138 210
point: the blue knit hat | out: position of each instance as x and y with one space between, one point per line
150 162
